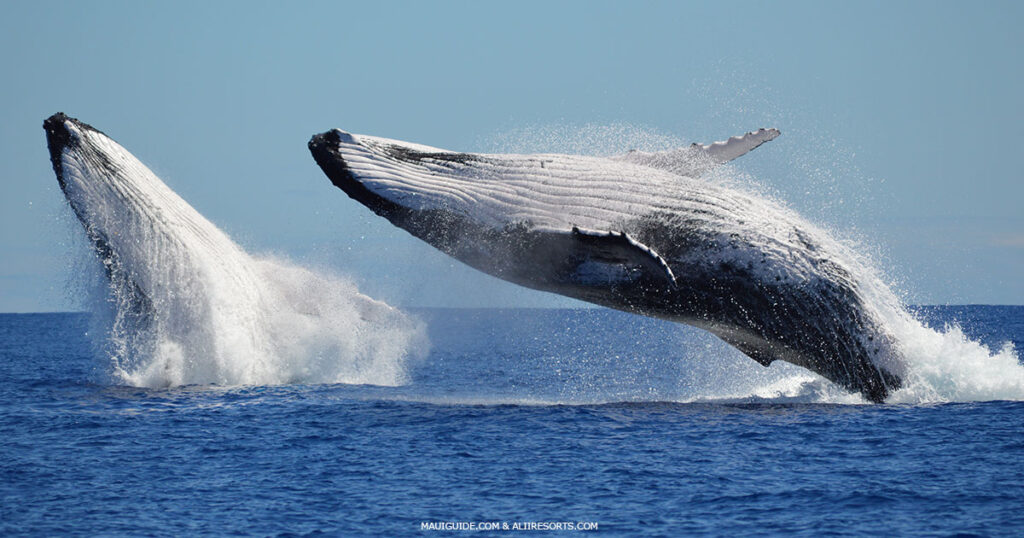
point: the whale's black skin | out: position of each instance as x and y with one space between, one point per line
819 324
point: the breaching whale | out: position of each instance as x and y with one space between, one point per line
189 306
641 232
177 281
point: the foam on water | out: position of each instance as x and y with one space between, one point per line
305 327
946 366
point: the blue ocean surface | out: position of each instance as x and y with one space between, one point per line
541 419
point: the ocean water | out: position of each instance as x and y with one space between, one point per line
519 417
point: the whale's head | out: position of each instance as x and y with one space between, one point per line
107 189
99 179
431 191
143 233
436 195
110 191
397 180
84 160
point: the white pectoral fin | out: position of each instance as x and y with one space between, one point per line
727 150
699 158
610 258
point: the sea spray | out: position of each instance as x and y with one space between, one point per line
308 327
184 304
947 366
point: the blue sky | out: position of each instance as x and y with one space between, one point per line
901 121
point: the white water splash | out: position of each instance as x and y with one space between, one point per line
939 366
946 366
589 139
306 327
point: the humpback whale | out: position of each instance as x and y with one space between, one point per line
647 233
178 284
170 270
189 306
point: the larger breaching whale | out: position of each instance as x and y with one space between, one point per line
642 232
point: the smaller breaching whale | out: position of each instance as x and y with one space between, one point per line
643 233
171 271
187 305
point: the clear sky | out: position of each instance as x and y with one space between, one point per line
901 121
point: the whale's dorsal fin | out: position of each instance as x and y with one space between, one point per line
615 258
697 159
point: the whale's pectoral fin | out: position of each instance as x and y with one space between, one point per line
614 258
699 158
737 146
